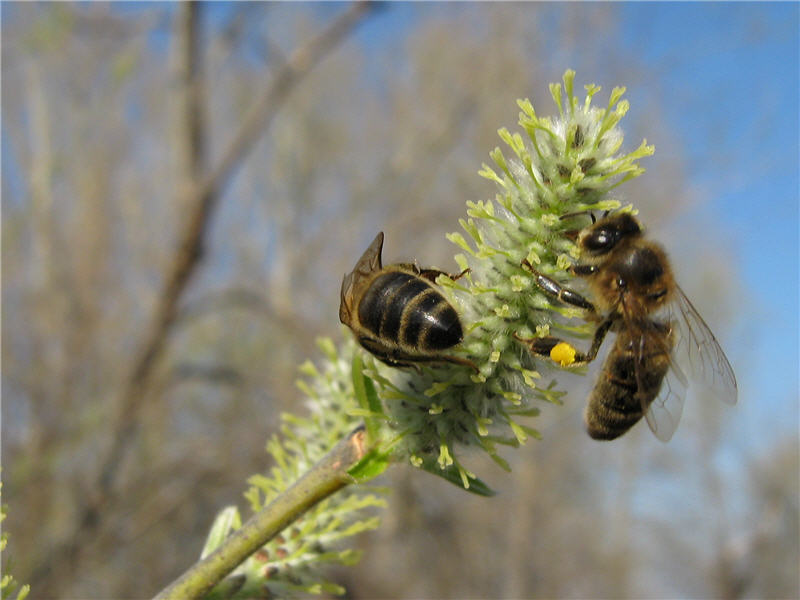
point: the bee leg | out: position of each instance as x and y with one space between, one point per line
398 364
554 289
456 360
381 353
446 358
432 274
580 213
404 361
543 346
583 270
540 346
597 341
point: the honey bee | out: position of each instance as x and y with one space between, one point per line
396 312
660 335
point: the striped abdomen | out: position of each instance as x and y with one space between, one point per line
404 309
616 403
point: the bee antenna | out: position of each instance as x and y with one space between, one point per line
579 213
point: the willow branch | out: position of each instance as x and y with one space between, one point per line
326 477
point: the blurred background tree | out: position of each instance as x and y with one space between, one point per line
183 188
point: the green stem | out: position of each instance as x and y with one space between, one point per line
326 476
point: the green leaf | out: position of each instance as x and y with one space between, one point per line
373 464
456 476
367 399
227 520
226 588
502 462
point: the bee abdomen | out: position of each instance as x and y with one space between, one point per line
612 410
381 308
432 324
405 309
616 403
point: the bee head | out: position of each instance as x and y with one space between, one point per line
604 235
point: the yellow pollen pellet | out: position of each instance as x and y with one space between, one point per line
563 354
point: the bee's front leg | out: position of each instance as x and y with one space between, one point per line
555 290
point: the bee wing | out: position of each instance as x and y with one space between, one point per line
664 413
369 262
371 259
344 298
653 339
697 351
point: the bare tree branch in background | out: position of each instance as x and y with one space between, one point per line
213 374
200 202
244 299
192 129
389 134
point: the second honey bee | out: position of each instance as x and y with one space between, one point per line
397 313
659 333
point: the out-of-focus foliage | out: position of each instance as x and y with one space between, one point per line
385 134
8 585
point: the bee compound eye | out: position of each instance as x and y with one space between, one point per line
600 240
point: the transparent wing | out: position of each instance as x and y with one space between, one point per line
654 342
693 351
697 352
369 262
371 259
664 414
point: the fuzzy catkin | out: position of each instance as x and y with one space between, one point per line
559 166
